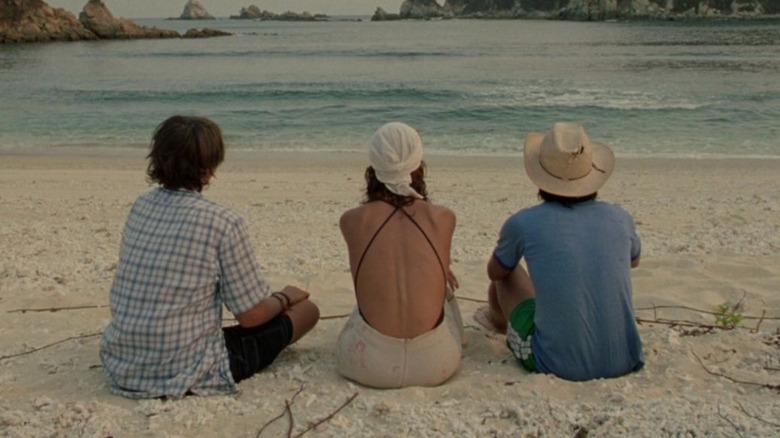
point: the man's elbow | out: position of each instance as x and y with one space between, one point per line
496 272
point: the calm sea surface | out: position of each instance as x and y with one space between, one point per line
648 88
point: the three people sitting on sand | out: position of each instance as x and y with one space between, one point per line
182 257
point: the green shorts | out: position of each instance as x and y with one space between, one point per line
520 331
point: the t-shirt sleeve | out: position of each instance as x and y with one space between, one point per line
636 243
241 285
509 249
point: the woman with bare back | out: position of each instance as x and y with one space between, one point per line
406 329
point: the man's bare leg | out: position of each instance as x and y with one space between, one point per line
303 315
505 294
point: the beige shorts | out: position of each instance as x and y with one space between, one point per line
373 359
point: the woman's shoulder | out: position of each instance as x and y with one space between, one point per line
353 213
441 211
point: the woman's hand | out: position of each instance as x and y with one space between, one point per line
452 280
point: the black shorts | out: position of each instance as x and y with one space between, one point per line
252 349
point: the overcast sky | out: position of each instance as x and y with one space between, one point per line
225 8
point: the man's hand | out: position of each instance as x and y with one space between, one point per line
294 294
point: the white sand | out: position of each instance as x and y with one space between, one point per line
711 235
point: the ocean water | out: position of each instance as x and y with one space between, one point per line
469 86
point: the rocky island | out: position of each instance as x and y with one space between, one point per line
582 10
35 21
194 10
254 13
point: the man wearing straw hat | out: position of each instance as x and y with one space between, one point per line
571 314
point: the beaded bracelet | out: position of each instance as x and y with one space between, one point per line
281 301
286 298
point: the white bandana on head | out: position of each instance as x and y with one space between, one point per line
395 152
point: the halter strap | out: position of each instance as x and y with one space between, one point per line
376 233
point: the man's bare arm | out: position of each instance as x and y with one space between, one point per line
495 271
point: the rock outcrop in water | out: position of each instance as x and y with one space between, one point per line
254 13
382 15
193 10
35 21
204 33
586 9
97 18
422 9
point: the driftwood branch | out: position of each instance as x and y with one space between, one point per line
680 323
335 316
57 309
329 417
701 325
776 387
728 420
284 412
33 350
476 300
755 417
655 308
758 324
291 421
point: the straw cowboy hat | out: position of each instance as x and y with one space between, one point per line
565 162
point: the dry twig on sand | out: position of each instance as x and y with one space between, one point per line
776 387
476 300
312 426
755 417
719 324
33 350
285 411
334 316
291 422
728 420
57 309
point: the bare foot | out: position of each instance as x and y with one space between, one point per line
483 317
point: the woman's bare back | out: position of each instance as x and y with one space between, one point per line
401 283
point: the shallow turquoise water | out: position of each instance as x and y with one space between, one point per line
468 86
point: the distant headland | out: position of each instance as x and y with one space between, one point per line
36 21
583 10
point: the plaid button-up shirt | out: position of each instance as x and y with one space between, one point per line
182 256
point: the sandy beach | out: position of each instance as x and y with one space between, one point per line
711 236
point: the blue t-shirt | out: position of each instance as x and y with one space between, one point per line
579 260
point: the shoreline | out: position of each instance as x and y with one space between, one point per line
140 151
710 230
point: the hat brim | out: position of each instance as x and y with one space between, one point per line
603 162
